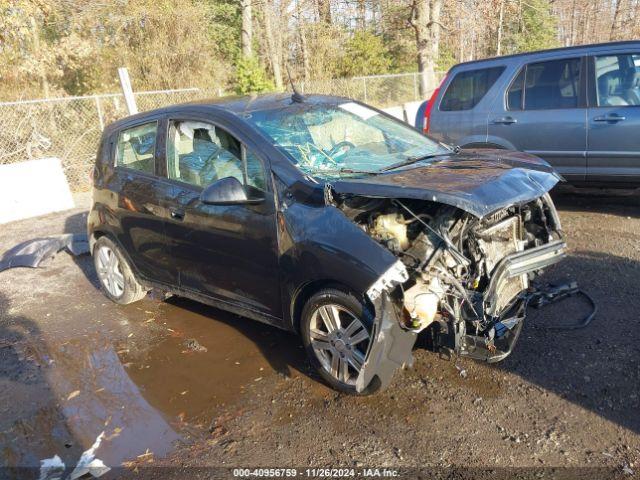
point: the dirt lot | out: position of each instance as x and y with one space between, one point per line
73 365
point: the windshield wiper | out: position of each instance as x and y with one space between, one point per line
412 160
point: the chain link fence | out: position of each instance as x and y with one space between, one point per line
69 128
381 91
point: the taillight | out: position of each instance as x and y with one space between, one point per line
427 110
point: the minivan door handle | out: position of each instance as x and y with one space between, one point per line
177 214
609 118
504 121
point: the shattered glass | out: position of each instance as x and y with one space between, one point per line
342 140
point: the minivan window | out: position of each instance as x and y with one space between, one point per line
136 148
467 88
618 80
552 85
200 153
514 95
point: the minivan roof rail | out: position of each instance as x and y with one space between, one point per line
560 49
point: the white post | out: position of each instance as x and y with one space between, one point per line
125 83
99 109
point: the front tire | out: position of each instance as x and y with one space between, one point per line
336 331
114 273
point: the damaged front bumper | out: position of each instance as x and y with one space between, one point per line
390 347
500 340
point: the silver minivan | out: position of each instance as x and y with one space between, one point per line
578 108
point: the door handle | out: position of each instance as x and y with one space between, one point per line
609 118
177 214
504 121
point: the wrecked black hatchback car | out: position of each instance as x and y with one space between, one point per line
329 218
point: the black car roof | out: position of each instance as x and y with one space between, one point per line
233 104
552 50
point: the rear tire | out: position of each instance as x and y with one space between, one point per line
114 273
335 327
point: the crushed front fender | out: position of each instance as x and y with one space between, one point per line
390 347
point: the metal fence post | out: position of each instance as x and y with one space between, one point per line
99 109
125 83
415 87
364 83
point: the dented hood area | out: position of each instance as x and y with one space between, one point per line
476 181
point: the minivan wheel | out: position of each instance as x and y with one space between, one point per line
114 273
336 331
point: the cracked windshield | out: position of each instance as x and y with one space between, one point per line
345 140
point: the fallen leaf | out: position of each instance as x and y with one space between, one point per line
73 394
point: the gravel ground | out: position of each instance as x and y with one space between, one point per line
176 384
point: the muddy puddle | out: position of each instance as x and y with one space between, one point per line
208 359
148 377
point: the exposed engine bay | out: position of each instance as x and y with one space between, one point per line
460 279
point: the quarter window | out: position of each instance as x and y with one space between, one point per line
514 95
467 88
618 80
552 85
200 153
136 148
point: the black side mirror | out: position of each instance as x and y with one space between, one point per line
226 191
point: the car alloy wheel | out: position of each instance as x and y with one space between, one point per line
109 272
339 340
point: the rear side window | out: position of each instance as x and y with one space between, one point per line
137 147
618 80
552 85
467 89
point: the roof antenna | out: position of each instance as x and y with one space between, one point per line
297 97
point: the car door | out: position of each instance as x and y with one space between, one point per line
460 118
139 216
613 152
543 112
227 252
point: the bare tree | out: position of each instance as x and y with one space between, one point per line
324 11
362 14
302 37
500 26
247 29
425 20
616 14
273 39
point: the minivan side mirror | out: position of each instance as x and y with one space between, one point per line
227 191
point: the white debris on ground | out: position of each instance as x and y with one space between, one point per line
53 468
88 463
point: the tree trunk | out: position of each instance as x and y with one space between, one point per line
425 20
324 11
500 22
614 22
362 14
247 29
36 47
302 36
272 48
